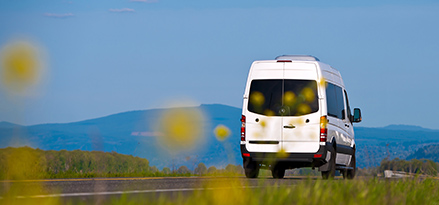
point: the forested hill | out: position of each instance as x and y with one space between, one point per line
393 141
430 152
132 133
28 163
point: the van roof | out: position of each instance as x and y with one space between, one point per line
327 71
298 57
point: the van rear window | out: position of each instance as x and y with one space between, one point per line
283 97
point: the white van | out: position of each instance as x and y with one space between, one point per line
296 114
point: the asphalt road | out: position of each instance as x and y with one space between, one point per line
88 190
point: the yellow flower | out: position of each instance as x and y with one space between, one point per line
322 82
268 112
282 153
20 66
297 121
308 93
257 98
303 109
289 98
263 123
180 128
221 132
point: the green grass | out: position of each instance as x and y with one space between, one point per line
310 191
307 191
38 164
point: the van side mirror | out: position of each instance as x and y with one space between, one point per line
357 115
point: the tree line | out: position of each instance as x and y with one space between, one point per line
29 163
416 166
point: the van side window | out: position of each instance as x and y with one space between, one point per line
334 96
283 97
348 107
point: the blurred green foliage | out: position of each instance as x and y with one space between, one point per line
307 191
424 166
28 163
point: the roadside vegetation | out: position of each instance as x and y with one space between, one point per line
418 167
310 191
28 163
307 191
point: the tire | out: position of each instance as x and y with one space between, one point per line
350 173
330 174
251 168
251 173
343 173
278 172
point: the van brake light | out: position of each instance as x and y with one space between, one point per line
243 128
323 128
284 61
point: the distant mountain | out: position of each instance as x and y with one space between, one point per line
125 134
395 141
406 128
7 125
131 133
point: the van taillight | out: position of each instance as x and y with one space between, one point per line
243 128
284 61
323 128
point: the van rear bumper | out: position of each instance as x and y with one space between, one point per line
289 160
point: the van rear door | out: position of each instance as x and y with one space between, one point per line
263 127
283 108
301 122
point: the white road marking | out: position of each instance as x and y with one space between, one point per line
127 192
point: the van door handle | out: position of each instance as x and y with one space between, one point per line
289 126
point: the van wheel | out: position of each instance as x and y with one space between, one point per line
330 174
350 174
278 172
251 173
251 168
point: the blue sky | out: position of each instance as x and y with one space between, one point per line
106 57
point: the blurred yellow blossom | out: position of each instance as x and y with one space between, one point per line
303 109
180 128
257 98
221 132
21 66
282 153
289 98
308 93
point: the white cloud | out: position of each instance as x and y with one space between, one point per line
121 10
145 1
147 134
52 15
